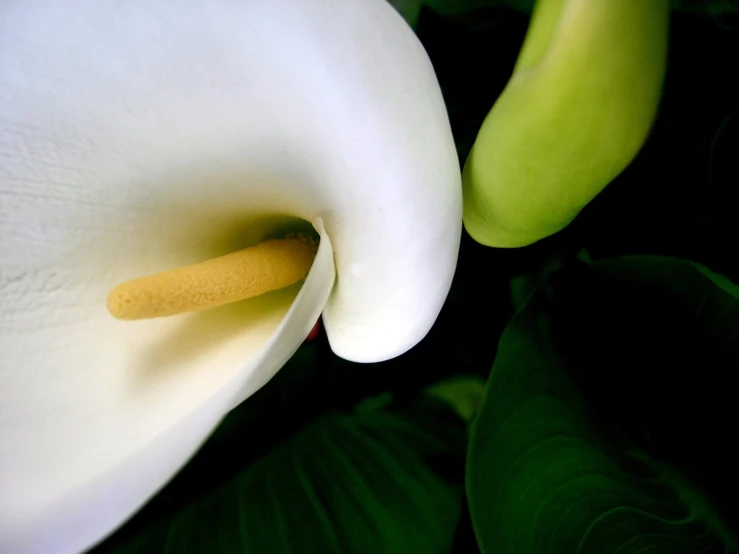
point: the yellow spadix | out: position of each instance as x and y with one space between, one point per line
268 266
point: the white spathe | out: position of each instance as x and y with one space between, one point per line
139 136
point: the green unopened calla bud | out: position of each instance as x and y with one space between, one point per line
579 106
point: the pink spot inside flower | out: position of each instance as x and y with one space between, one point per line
314 332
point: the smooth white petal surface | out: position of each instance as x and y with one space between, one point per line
73 468
141 136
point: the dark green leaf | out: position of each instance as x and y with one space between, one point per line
345 484
607 425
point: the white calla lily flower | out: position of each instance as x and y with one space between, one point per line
142 136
